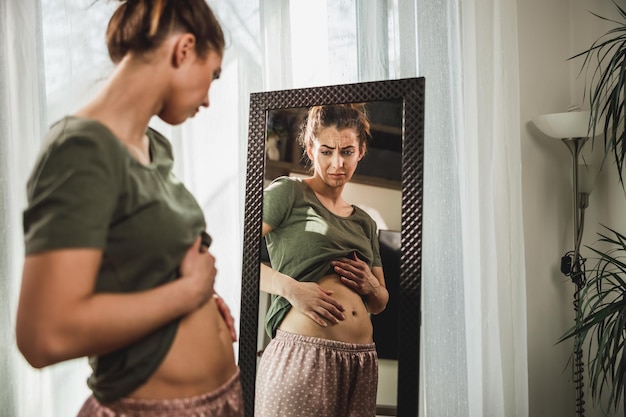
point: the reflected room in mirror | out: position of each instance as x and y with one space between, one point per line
387 185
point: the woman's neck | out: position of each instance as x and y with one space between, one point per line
127 102
330 197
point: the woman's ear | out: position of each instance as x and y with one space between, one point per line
309 153
184 49
361 152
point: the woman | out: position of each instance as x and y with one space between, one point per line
326 278
117 265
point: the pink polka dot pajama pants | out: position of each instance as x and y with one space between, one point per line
302 376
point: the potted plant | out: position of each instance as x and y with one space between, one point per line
601 325
603 321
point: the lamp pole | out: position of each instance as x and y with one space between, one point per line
580 202
573 266
572 128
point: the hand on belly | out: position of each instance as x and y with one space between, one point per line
355 327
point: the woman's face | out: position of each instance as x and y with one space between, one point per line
335 155
191 88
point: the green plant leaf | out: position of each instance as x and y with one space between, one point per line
605 61
601 323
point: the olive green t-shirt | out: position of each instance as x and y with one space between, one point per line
306 237
87 191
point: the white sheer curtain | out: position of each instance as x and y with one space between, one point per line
492 185
473 336
474 358
491 198
22 120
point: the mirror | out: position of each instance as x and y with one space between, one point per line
407 96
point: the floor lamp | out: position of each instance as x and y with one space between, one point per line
573 129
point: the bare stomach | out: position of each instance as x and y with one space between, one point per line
355 328
200 360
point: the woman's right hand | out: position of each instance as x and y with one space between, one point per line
315 302
61 317
198 268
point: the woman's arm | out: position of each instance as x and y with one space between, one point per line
377 299
307 297
60 317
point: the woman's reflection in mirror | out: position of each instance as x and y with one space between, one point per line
325 278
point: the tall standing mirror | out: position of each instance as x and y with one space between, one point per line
391 173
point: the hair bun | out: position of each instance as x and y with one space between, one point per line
140 26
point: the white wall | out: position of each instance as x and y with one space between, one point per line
383 204
551 31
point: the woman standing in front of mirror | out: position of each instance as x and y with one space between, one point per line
117 266
326 277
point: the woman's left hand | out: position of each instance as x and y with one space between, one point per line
357 275
225 312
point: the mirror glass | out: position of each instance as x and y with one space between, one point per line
387 185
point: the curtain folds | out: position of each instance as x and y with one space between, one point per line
444 367
474 359
491 197
21 116
52 58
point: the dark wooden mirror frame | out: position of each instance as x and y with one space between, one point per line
411 92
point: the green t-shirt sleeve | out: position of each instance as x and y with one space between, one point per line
278 199
71 194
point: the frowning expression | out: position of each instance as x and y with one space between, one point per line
335 155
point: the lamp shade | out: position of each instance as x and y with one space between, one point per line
573 124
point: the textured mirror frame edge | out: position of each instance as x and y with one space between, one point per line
411 92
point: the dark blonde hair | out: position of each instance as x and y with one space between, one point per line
341 116
140 26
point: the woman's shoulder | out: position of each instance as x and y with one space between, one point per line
282 193
364 216
75 126
286 183
82 134
284 179
78 145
